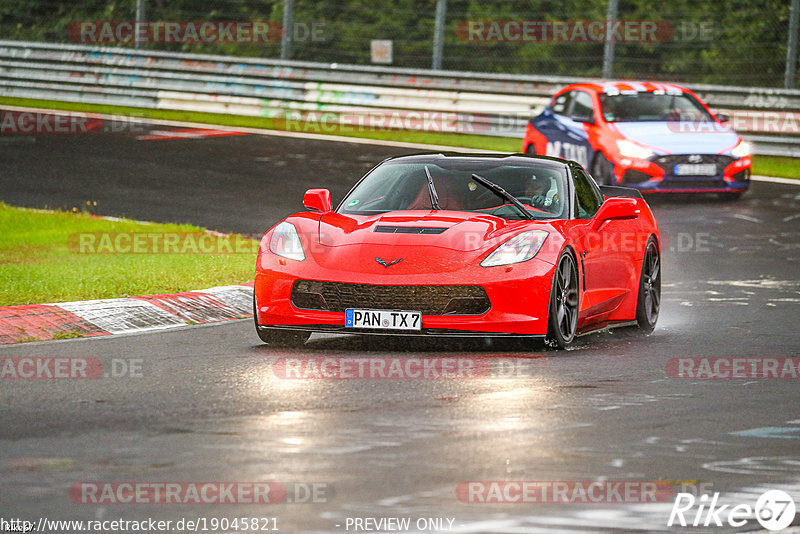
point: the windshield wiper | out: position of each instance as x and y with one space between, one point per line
432 190
502 193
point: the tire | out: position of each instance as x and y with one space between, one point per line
562 320
531 150
648 304
279 338
603 170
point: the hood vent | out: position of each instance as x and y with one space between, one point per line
409 230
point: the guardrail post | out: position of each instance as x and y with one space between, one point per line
608 49
790 78
140 16
288 29
438 34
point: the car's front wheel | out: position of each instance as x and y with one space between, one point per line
563 315
649 302
279 338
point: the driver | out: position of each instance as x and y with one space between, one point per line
537 191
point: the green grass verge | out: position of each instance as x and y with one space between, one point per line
764 165
478 142
41 259
780 166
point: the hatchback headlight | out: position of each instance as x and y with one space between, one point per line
630 149
741 150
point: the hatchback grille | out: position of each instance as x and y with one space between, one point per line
430 300
668 162
693 184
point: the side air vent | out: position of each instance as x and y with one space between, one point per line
409 230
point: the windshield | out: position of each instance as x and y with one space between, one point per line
641 107
403 185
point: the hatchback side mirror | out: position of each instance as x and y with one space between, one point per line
318 200
588 119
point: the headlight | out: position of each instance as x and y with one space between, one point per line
285 242
633 150
519 248
741 150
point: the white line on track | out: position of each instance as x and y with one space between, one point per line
775 180
305 135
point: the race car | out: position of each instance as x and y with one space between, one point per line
462 245
655 137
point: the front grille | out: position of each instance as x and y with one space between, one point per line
430 300
693 184
668 162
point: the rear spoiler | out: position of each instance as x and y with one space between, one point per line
616 191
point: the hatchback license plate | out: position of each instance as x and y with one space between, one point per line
695 169
383 319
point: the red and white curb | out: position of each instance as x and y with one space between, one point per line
104 317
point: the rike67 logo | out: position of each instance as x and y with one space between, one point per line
774 510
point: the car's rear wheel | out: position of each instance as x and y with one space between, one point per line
649 302
563 315
279 338
603 170
531 150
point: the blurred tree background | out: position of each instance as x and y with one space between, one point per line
732 42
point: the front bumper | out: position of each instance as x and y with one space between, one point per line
657 174
519 299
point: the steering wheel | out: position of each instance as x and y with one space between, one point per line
540 202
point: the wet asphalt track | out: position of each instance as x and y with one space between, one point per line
209 406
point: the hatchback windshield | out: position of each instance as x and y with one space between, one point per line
641 107
403 185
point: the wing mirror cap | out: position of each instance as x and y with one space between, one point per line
616 208
318 200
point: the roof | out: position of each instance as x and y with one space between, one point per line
509 158
613 87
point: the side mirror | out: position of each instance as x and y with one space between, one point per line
723 117
318 200
616 208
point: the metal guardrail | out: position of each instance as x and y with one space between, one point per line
466 102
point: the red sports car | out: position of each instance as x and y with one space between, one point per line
655 137
464 245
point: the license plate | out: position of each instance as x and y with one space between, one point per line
695 169
383 319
